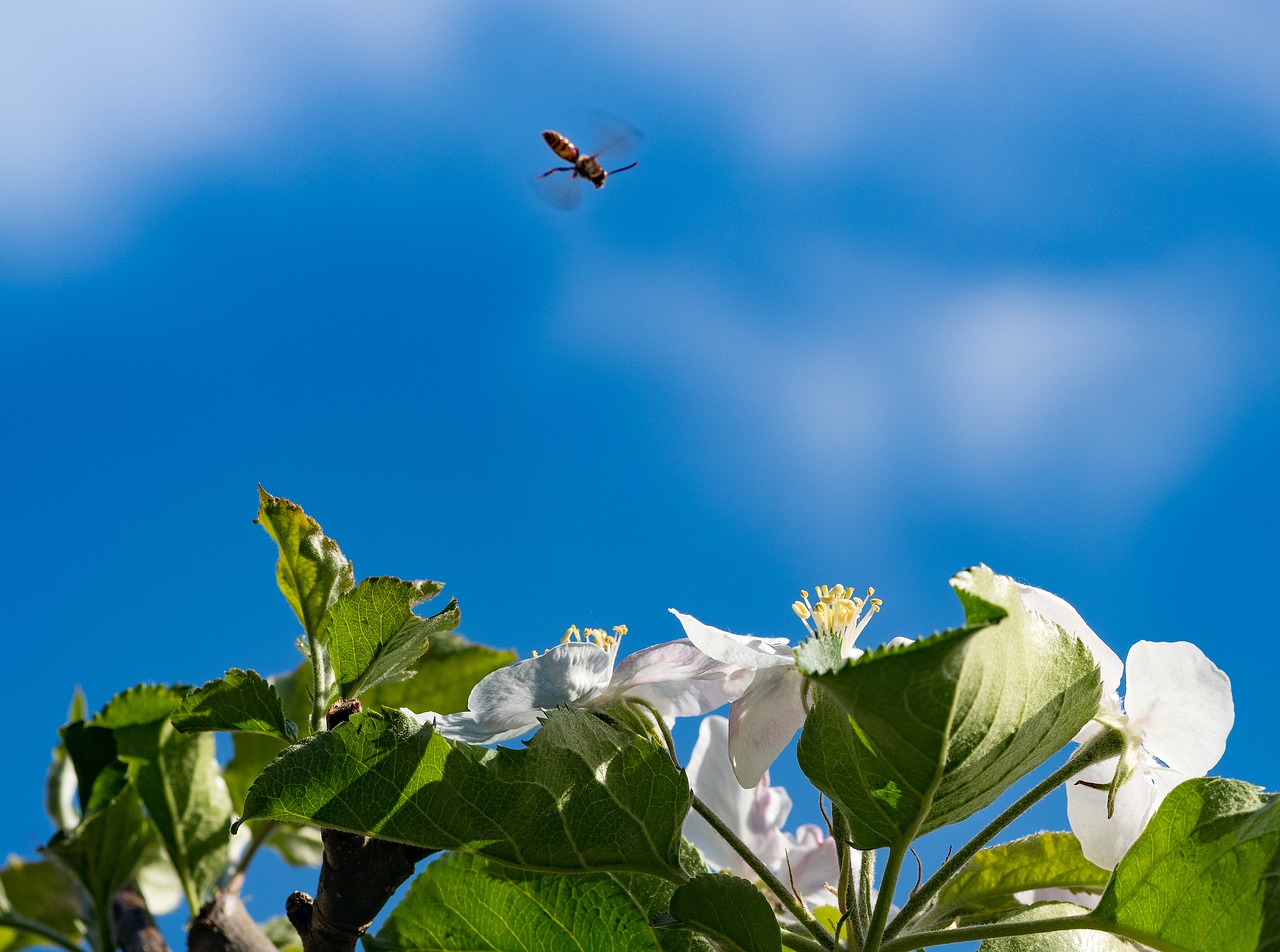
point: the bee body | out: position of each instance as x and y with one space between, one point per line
583 166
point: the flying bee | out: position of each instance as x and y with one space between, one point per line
583 166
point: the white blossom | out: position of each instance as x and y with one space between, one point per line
765 718
675 678
1176 714
805 860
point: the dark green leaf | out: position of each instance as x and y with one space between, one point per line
43 892
1073 940
462 903
252 752
60 781
985 886
909 739
1205 874
178 778
312 571
100 774
729 910
239 701
583 796
374 635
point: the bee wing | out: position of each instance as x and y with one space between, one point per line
615 137
562 190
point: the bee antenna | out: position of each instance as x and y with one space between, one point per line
625 167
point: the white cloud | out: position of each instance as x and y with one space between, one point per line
1105 393
100 102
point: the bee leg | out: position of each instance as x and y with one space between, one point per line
563 168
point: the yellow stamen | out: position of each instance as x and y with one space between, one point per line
839 612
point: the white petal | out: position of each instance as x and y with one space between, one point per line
567 674
1029 896
1104 841
1181 703
464 727
763 721
810 864
1060 612
743 651
755 815
678 679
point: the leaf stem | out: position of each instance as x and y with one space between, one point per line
320 684
866 888
794 906
801 943
846 895
996 930
11 920
884 899
1094 750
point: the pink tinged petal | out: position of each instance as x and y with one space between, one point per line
566 674
1060 612
743 651
1180 702
678 679
811 855
763 721
755 816
1104 841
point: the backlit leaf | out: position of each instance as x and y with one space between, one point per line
909 739
463 903
584 796
373 634
238 701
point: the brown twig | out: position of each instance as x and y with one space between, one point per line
224 925
132 924
357 876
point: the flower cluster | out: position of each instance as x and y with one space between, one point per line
1174 720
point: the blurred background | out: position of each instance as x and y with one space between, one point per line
895 289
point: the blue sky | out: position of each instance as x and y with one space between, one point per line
894 290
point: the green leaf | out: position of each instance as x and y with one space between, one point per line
178 778
909 739
239 701
44 893
446 675
282 934
985 886
103 851
1205 874
252 752
731 911
584 796
462 902
1072 940
312 571
100 774
60 780
297 845
374 635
